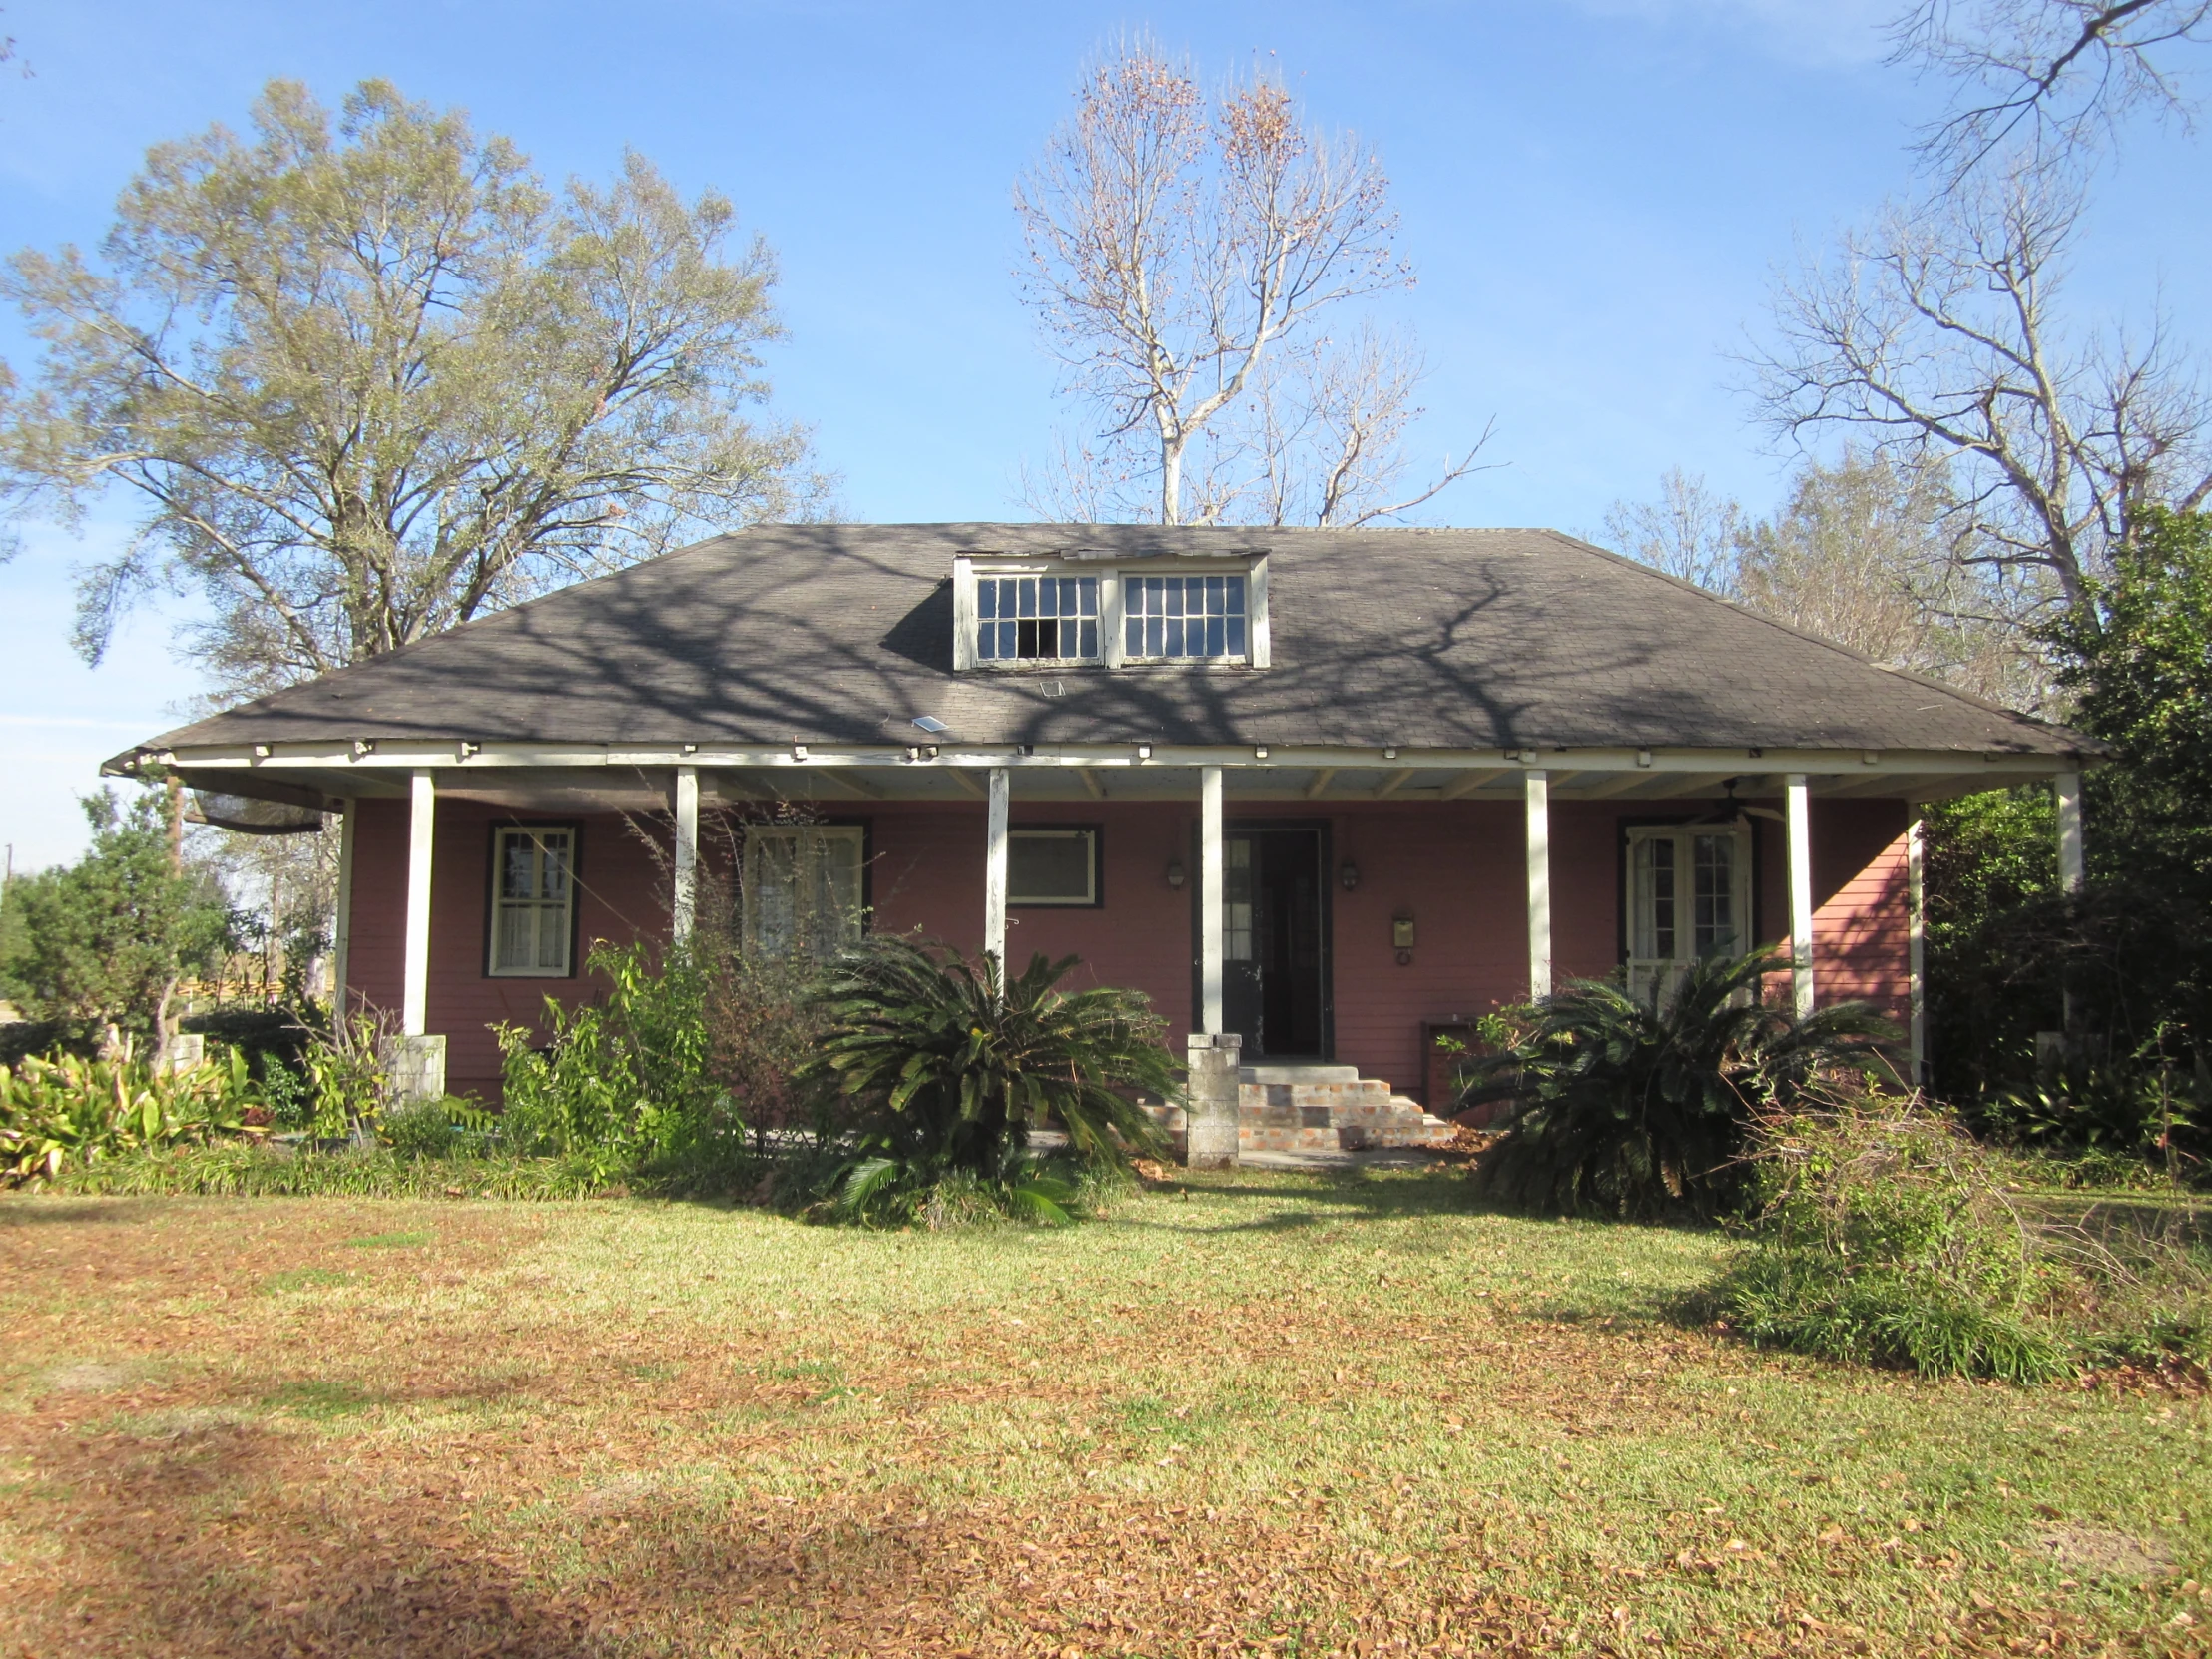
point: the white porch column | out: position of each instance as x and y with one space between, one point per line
1916 878
1801 895
1213 876
342 929
1536 793
414 1004
2067 787
995 867
685 901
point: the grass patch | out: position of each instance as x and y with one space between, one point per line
1267 1411
246 1170
388 1241
306 1278
320 1401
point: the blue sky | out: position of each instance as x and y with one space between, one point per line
1594 195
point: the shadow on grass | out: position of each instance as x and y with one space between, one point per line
241 1541
38 1210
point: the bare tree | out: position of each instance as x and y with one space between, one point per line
1939 333
1692 531
1179 248
2052 75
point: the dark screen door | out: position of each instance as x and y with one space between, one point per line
1274 950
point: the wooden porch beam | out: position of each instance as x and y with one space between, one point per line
1681 783
1092 785
1467 782
1391 785
1320 782
959 775
1620 783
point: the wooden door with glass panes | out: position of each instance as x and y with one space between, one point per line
1689 896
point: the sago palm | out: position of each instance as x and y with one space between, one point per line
949 1070
1622 1107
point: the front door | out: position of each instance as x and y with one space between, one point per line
1275 944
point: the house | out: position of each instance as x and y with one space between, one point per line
1327 790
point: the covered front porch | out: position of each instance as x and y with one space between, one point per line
1329 906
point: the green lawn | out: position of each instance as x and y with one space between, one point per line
1281 1413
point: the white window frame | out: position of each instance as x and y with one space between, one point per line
1112 617
757 836
1653 977
562 911
977 578
1090 900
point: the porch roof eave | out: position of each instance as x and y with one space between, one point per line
542 774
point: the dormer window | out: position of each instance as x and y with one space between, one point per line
1042 619
1014 612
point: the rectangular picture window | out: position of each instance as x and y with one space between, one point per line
1052 866
533 902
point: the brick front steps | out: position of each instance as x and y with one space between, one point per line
1319 1109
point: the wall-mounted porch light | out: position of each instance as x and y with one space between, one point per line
1144 751
1175 874
1348 874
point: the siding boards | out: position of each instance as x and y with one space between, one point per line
1455 866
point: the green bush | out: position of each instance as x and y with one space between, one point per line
65 1111
447 1128
1621 1108
1885 1235
626 1084
945 1073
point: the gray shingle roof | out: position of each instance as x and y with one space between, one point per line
1420 638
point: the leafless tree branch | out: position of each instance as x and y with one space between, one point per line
2052 75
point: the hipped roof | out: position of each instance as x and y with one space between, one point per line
838 633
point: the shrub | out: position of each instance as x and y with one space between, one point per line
65 1110
447 1128
1885 1235
1621 1108
947 1073
627 1084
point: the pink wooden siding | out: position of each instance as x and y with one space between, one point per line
619 890
1456 868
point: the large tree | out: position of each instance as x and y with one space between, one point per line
1185 254
370 378
1940 335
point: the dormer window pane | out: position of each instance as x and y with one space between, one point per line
1036 619
1183 616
